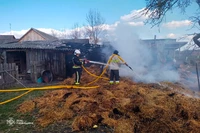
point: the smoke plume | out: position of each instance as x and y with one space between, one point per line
141 57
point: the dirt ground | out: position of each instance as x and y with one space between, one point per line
128 107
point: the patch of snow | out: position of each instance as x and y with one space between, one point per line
189 46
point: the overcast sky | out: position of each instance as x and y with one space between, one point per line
18 16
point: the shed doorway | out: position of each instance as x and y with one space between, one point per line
19 58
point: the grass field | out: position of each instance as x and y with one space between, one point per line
10 120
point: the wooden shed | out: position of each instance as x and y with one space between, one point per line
36 52
36 56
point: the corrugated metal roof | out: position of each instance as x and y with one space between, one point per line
56 45
83 41
175 45
7 41
166 41
7 37
169 42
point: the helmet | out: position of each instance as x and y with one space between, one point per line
115 52
77 52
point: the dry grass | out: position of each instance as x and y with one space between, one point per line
127 107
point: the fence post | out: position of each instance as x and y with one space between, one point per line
16 72
35 71
3 73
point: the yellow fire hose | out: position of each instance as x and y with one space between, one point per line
42 88
12 99
51 87
103 71
58 86
93 74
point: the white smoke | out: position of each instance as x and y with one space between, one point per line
126 40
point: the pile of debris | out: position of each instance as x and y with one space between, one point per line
127 107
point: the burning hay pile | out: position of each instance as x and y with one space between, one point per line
127 107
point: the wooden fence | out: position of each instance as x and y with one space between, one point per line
8 74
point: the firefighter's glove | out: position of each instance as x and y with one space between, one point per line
86 61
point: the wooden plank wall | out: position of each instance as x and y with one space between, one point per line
32 36
40 60
8 74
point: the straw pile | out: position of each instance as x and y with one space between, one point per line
128 107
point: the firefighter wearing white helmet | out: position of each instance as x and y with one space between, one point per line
77 52
77 66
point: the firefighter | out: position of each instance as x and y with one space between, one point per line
77 66
115 63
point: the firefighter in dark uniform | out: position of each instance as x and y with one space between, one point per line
77 66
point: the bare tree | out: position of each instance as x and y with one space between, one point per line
75 33
53 33
196 39
156 11
59 33
95 25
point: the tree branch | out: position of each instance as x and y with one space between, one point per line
195 39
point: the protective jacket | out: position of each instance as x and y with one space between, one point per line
115 62
76 62
77 69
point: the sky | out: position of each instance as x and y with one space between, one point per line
18 16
